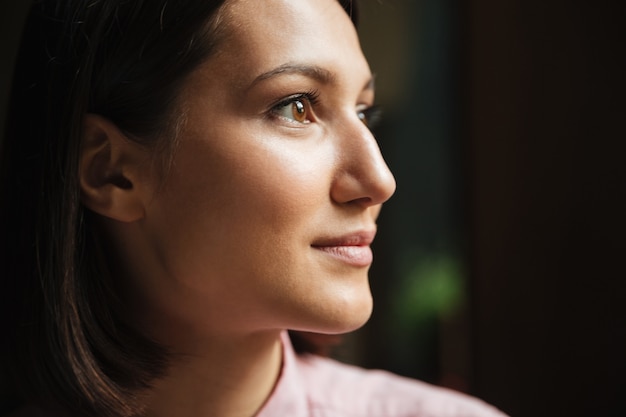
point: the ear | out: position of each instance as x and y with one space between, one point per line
110 171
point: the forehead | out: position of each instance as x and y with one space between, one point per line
262 35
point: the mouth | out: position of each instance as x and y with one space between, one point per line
352 249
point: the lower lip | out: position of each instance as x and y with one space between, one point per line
359 256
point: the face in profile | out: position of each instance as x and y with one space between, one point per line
265 217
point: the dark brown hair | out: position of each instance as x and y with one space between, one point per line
64 340
124 60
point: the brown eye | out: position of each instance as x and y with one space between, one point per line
295 109
298 111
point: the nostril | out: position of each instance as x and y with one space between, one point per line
367 201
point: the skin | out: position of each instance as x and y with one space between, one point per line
264 220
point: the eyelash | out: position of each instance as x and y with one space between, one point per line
371 116
310 97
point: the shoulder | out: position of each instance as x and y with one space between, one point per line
336 389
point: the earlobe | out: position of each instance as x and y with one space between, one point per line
109 169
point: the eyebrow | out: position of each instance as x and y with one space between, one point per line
312 71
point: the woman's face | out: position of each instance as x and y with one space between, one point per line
265 219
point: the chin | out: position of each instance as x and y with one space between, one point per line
340 317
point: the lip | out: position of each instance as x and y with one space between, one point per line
352 248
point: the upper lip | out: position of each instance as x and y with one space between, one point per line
358 238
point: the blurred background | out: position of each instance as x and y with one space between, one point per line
500 262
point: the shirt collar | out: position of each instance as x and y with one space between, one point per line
289 396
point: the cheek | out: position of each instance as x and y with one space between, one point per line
274 180
223 199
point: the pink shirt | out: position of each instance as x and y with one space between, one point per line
312 386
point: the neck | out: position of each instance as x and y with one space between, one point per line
231 377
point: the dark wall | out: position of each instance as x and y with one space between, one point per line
545 115
12 15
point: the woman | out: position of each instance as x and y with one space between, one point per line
182 181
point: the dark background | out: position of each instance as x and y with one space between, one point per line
500 260
506 130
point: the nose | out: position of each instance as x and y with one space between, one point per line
363 176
